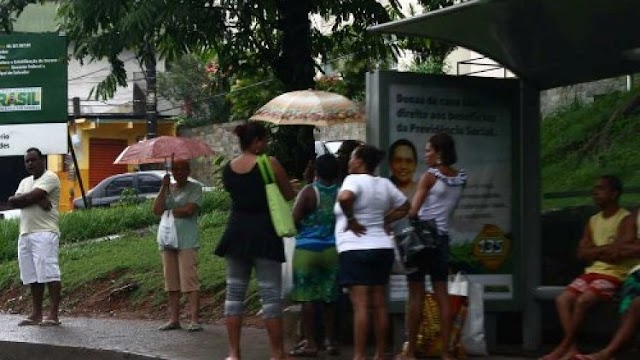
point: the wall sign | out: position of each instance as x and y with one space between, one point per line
33 90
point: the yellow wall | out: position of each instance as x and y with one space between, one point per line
131 131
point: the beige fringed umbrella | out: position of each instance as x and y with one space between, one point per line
310 107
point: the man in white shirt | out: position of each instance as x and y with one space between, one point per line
37 197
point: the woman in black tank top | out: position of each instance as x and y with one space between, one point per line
250 240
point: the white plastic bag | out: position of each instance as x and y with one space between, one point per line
473 338
458 284
167 234
287 266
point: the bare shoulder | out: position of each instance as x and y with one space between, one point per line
274 160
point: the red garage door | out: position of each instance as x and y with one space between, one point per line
102 153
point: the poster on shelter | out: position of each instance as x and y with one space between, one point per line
480 123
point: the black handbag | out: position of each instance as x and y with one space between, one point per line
427 230
410 243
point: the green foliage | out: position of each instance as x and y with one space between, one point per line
253 40
153 28
128 197
84 225
293 146
130 256
462 256
249 93
215 218
216 200
10 10
334 84
433 64
9 231
217 166
195 83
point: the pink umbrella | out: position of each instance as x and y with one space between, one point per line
161 148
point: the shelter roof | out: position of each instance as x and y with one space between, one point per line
550 43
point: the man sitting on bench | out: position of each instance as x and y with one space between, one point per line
600 280
630 293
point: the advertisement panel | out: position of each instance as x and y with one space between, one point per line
480 118
33 90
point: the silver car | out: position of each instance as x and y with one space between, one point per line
145 184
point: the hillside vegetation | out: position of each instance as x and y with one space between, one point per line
584 141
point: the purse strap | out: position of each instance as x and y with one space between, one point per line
266 171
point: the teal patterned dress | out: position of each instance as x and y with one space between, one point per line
315 260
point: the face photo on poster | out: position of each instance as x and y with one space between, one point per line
403 163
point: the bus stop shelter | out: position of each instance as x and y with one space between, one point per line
546 44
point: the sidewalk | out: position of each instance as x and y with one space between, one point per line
77 338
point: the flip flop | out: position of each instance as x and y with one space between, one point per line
586 357
50 322
303 351
28 322
333 350
169 326
403 356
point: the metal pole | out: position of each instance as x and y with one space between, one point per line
76 114
629 82
531 249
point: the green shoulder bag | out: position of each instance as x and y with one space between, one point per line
279 208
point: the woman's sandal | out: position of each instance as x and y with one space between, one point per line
50 322
303 351
29 322
332 348
403 356
170 326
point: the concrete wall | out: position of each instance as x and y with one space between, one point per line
554 99
342 132
222 140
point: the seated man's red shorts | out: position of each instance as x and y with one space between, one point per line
604 286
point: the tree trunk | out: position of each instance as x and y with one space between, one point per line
295 68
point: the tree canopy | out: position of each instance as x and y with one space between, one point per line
285 39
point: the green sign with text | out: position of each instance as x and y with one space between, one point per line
33 78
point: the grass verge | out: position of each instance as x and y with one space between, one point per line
94 272
78 226
134 259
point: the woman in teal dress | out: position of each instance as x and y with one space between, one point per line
315 259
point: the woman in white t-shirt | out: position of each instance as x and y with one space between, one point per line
366 205
436 197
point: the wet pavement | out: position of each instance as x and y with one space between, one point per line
110 339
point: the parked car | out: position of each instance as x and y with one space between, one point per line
329 147
145 184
